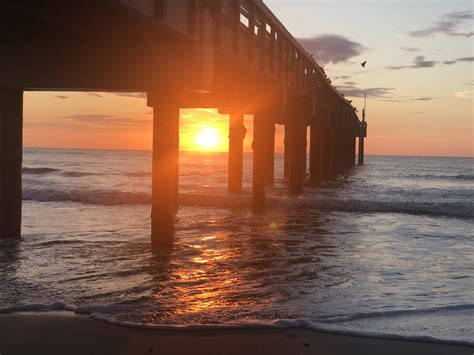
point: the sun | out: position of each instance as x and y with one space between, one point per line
208 138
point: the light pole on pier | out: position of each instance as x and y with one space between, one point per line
362 133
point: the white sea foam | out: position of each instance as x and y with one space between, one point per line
102 313
117 197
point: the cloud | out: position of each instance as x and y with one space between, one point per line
419 62
135 95
62 97
89 118
410 49
94 94
447 25
459 60
342 77
103 120
380 93
353 91
392 100
424 98
466 59
191 117
331 48
464 94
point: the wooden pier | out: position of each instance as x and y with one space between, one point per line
234 55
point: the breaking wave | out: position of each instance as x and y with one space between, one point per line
106 313
47 171
39 171
117 197
464 177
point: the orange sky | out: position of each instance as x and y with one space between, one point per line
112 121
92 121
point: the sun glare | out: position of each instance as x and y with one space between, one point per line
208 138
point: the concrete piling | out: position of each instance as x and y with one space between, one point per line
315 154
11 144
362 135
165 174
237 134
261 127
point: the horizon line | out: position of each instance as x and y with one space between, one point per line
248 152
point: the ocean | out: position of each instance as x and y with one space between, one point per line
387 249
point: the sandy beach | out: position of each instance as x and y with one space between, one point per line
66 333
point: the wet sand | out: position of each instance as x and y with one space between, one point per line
66 333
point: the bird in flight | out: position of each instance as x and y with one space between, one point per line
363 64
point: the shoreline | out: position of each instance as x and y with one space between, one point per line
66 332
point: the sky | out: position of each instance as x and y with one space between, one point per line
418 79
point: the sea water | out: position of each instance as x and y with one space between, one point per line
387 249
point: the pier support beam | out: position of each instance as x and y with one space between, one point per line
165 173
297 166
353 150
345 149
237 134
326 151
362 135
315 154
332 150
11 144
261 128
361 151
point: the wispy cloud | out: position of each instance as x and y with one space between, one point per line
377 92
103 120
419 62
344 77
135 95
89 118
448 25
62 97
469 94
94 94
410 49
459 60
392 100
384 94
424 98
332 48
200 116
350 83
466 59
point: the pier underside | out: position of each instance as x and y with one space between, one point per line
189 56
